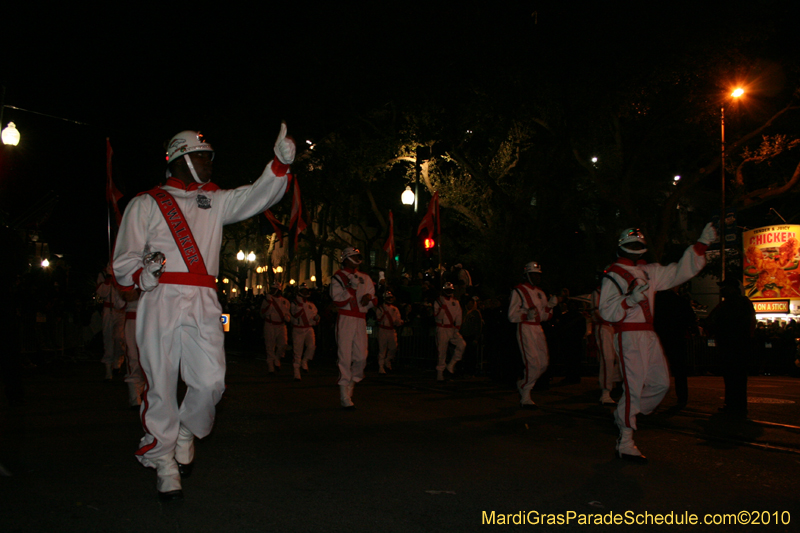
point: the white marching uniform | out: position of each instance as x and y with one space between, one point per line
528 309
645 376
447 315
113 322
275 311
351 322
304 318
134 377
606 355
388 319
178 326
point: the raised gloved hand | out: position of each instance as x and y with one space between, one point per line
639 293
709 234
532 315
151 272
553 301
285 149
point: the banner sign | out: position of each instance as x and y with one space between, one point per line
774 306
771 258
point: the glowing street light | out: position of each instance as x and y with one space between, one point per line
251 257
240 256
10 135
408 196
45 263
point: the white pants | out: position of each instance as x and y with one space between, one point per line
275 342
445 337
606 356
303 345
134 377
179 331
351 339
533 346
645 377
387 345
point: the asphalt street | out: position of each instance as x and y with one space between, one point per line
416 455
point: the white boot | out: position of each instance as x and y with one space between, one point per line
626 448
305 365
606 399
297 376
388 364
344 396
169 478
109 373
451 367
270 366
381 370
184 451
440 375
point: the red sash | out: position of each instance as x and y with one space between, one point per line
302 316
388 315
354 310
274 301
180 231
450 323
627 276
527 297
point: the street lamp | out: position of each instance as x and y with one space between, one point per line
10 135
408 196
735 94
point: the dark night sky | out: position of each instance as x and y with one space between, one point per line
138 76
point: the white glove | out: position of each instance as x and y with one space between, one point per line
553 301
533 315
639 293
285 148
709 234
151 272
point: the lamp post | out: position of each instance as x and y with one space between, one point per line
735 94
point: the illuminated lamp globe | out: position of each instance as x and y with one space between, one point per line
45 263
10 135
240 256
408 196
251 257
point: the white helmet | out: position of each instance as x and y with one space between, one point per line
187 142
351 253
629 236
448 286
533 268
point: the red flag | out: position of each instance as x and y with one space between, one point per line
431 217
112 193
276 225
389 246
297 213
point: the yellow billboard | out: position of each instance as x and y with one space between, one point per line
771 258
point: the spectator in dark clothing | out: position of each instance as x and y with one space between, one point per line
675 322
733 323
571 331
471 331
